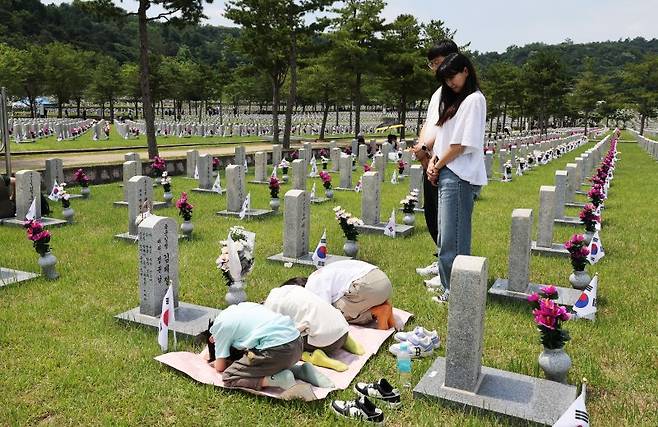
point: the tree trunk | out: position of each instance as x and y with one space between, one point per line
59 108
276 99
111 110
504 115
586 121
144 83
403 117
325 114
336 107
642 119
162 109
357 105
78 107
292 94
221 111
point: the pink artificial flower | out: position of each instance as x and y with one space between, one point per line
549 290
533 297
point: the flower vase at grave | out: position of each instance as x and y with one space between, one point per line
285 174
275 202
555 362
68 213
47 263
168 197
588 236
324 166
329 193
351 248
409 219
579 279
85 191
186 228
236 293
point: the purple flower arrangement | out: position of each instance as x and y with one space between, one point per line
595 195
184 207
326 179
578 251
39 236
81 178
275 186
589 218
548 316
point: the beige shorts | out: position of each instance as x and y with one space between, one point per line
370 290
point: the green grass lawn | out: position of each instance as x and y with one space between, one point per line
65 360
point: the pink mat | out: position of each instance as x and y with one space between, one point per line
196 365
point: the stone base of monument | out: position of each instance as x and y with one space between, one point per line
251 213
318 200
575 205
156 205
343 189
75 196
191 320
155 184
401 230
565 296
259 182
415 209
203 190
44 220
306 259
505 393
569 220
133 238
557 249
584 193
9 276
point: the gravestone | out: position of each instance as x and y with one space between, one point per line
240 156
128 157
560 192
54 172
380 166
416 183
204 167
131 169
386 149
517 285
191 162
345 173
139 190
354 146
371 205
406 158
544 244
28 189
235 194
302 156
488 164
9 276
363 154
308 152
158 268
502 158
571 182
335 159
460 379
580 173
299 174
260 168
277 154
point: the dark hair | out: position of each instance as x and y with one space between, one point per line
298 281
443 48
450 101
206 337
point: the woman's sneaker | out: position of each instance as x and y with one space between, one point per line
422 348
442 299
359 409
381 390
418 333
430 270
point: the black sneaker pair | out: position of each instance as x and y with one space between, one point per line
362 408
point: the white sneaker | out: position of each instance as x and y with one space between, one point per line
430 270
434 283
443 299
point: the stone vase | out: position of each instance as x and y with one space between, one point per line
186 228
85 192
329 193
579 279
284 178
555 363
47 263
168 197
351 248
275 202
236 293
324 166
409 219
68 213
588 236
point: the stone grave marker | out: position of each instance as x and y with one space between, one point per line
363 154
206 175
371 205
260 168
277 154
461 380
345 173
28 189
544 244
335 159
191 162
236 194
54 172
380 166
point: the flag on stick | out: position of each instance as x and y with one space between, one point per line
217 186
596 251
166 318
246 205
32 211
196 172
576 414
390 226
585 306
320 255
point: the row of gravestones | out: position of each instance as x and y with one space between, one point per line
648 145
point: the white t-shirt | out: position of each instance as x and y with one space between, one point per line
314 317
432 116
332 281
467 129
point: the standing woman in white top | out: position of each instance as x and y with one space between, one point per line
457 166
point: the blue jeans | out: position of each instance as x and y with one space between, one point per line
456 198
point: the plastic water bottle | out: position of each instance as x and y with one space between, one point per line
404 365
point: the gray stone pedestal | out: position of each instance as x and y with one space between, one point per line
9 276
566 296
191 320
556 249
401 230
569 220
251 213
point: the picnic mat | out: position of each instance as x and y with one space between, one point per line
196 366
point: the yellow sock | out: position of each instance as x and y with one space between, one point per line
320 358
353 346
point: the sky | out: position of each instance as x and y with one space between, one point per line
495 25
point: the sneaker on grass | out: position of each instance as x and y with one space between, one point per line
442 298
423 348
430 270
359 409
434 283
418 333
381 390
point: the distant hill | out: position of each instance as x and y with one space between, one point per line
608 56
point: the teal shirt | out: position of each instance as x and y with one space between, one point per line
249 326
